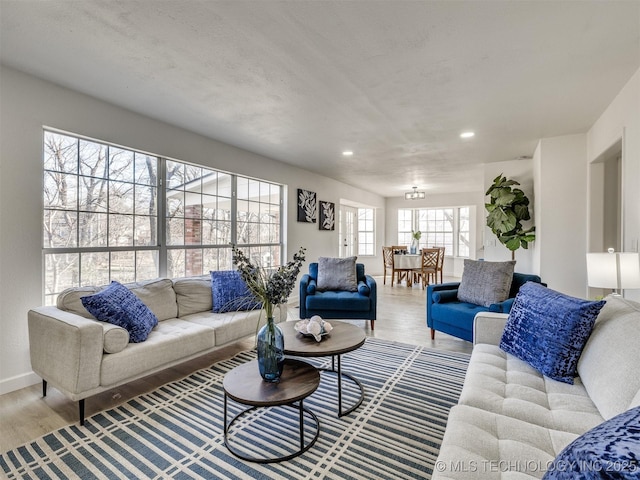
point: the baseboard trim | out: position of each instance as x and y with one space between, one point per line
18 382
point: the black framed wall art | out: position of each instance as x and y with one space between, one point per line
327 216
306 206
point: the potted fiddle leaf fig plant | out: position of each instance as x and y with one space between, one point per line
508 208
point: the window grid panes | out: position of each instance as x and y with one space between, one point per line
441 227
366 231
97 198
100 219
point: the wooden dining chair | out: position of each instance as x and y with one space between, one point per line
389 263
428 266
440 266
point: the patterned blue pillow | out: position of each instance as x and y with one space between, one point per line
116 304
230 293
548 330
610 450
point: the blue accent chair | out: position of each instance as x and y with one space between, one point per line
338 304
447 314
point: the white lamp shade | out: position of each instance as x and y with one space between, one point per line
629 270
618 270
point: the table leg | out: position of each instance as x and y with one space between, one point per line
339 387
340 374
301 425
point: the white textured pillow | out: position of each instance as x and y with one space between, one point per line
337 274
485 283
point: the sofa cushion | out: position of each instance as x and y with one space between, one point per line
69 300
501 383
548 330
117 305
193 294
170 341
230 293
231 326
609 451
158 295
610 360
337 274
484 283
348 301
487 446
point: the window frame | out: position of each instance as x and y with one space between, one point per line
404 236
272 206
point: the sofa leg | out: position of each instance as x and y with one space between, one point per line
433 334
81 411
372 322
44 388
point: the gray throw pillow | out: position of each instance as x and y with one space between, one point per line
485 283
337 274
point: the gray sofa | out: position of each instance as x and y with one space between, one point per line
81 356
511 422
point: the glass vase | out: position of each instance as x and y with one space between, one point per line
270 345
413 248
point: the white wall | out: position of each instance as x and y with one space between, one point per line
560 186
452 266
27 105
621 119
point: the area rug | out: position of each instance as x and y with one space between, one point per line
177 430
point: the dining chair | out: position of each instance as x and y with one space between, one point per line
428 266
440 266
389 263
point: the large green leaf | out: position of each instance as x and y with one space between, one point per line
513 244
505 199
522 212
501 221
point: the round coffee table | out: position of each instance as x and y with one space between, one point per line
245 385
344 338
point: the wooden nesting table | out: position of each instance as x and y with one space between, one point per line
245 385
344 338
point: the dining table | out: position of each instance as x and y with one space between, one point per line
407 261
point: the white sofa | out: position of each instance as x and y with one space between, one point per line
81 356
511 422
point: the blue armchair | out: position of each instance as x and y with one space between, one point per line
447 314
338 304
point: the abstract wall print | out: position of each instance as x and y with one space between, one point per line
327 216
306 206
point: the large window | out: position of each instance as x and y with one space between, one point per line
442 227
107 216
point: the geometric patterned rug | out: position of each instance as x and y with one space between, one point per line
177 430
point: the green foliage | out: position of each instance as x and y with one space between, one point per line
507 209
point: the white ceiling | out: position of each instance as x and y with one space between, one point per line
395 81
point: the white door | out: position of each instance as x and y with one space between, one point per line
348 233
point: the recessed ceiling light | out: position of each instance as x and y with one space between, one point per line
467 134
347 153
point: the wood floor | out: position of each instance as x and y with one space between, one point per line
26 415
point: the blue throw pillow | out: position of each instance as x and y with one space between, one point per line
116 304
548 330
230 293
610 450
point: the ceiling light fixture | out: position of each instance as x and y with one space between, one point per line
347 153
415 195
467 134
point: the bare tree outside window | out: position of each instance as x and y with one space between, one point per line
100 219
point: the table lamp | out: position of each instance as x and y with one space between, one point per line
614 270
